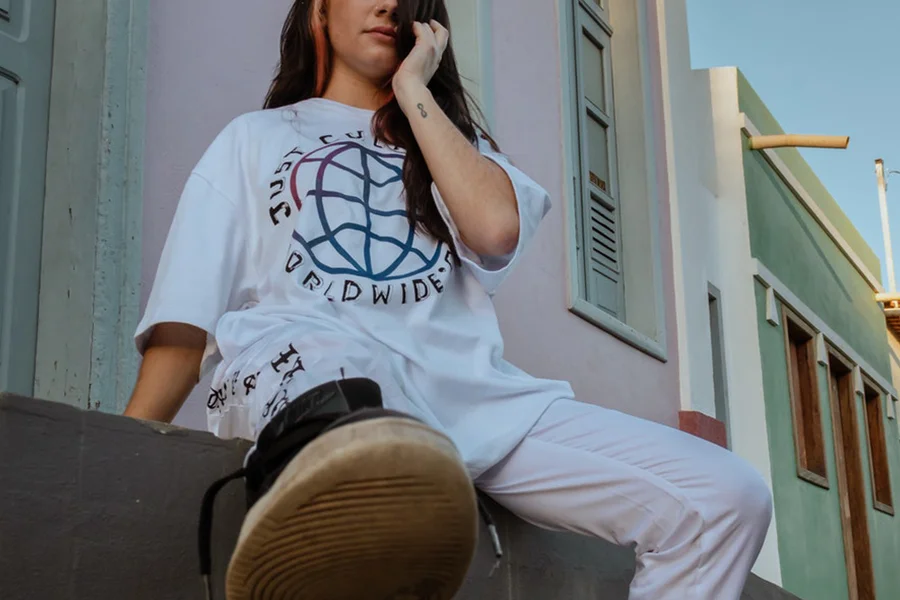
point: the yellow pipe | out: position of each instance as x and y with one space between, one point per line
761 142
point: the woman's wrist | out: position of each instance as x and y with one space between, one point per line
410 94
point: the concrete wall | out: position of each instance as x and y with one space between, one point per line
711 245
201 75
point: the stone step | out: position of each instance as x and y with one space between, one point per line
97 507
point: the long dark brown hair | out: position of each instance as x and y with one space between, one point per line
305 69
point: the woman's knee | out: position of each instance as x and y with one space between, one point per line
746 496
757 506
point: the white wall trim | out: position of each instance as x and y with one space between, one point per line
91 272
614 326
654 190
117 275
730 265
858 385
767 278
821 349
682 341
771 308
807 200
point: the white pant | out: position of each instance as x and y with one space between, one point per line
697 513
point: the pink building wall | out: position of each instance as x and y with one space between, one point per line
211 60
541 335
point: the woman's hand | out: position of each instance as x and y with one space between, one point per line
422 63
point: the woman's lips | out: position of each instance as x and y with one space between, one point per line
384 34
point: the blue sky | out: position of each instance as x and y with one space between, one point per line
824 67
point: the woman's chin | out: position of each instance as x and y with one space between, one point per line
380 74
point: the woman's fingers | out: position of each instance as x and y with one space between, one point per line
425 34
441 34
431 43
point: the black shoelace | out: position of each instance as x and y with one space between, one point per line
204 530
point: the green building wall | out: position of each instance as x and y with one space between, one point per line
789 242
886 531
792 245
810 541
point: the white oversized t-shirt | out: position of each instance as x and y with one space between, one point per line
291 247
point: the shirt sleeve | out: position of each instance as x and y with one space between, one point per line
201 263
533 204
203 270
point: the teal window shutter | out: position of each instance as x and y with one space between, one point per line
597 203
603 273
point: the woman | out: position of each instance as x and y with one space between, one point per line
333 256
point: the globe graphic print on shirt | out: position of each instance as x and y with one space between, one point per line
353 219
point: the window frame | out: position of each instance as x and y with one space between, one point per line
876 398
599 8
800 429
653 343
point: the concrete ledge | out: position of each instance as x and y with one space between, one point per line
97 507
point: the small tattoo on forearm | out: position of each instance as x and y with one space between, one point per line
421 108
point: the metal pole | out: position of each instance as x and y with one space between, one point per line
885 225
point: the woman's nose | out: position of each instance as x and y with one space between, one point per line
387 7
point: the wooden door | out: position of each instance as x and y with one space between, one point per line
26 47
851 483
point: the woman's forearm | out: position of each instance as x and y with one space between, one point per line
169 371
477 192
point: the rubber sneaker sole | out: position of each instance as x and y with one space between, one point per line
377 510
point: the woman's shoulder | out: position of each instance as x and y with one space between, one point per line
257 124
309 114
259 138
248 134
